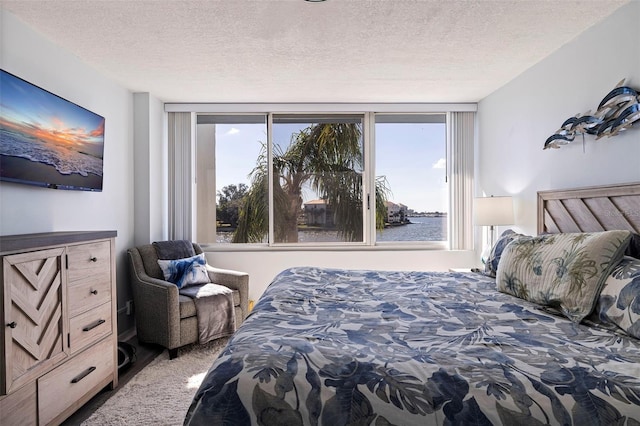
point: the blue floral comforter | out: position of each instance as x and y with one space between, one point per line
337 347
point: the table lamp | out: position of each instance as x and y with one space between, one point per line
492 211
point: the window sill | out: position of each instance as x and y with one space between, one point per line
410 246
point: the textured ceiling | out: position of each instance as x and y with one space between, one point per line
299 51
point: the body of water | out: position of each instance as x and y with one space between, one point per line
420 229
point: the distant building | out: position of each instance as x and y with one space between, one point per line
318 213
396 213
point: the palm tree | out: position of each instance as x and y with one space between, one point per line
329 159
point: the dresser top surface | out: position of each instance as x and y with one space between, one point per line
10 243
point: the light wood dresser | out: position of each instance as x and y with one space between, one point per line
59 335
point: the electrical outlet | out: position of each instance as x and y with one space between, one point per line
129 307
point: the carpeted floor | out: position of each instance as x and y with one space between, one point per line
161 392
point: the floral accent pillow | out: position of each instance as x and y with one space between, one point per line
187 271
619 301
564 271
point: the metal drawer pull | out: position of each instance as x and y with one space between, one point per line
83 375
94 325
94 292
94 259
12 324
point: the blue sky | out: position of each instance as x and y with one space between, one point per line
410 156
237 148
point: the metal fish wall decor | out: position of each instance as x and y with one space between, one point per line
617 112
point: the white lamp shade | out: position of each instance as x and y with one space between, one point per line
493 211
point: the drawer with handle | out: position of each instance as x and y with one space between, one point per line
89 327
65 385
87 294
89 261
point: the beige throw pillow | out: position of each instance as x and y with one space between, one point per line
566 271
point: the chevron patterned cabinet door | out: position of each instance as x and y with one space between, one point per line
33 314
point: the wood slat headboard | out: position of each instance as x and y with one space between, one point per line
593 209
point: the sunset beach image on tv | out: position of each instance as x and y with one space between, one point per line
46 140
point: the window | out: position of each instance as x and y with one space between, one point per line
325 178
317 166
229 150
411 157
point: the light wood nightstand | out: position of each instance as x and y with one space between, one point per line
465 270
459 269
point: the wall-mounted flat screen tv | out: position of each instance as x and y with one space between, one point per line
46 140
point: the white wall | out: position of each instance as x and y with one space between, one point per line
26 209
515 121
151 169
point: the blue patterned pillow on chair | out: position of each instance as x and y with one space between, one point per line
188 271
619 301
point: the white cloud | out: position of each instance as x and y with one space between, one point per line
440 164
233 131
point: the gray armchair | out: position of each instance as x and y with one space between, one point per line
165 317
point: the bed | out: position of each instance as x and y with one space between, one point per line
353 347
